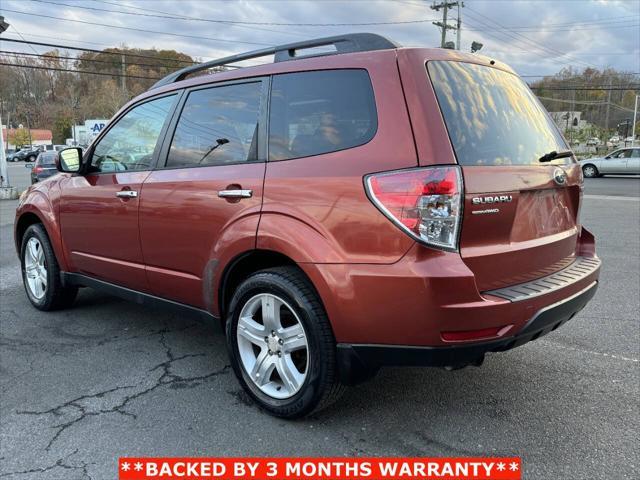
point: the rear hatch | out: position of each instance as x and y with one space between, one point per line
520 216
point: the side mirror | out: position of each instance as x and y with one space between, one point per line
69 160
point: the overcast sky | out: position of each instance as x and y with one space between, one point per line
534 37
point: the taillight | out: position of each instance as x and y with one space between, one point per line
38 169
424 202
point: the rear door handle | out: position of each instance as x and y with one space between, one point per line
127 194
235 193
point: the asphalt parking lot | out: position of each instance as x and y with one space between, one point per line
81 387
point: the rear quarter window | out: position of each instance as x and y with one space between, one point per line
318 112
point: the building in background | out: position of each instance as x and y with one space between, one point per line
39 137
569 120
84 134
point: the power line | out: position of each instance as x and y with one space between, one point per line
522 38
239 22
20 35
77 71
108 45
281 24
175 60
572 26
620 74
605 89
199 37
592 85
621 19
581 102
186 17
542 52
587 54
92 50
544 29
77 59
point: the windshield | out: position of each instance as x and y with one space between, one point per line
492 116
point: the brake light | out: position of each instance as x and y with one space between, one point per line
38 169
424 202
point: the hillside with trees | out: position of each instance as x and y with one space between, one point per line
605 97
48 92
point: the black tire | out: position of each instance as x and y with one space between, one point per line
320 387
590 171
56 296
31 158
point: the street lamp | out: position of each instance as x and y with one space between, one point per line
476 46
627 124
3 25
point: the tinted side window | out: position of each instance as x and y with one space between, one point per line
320 112
130 143
636 153
217 126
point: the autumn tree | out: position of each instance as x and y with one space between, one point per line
62 128
19 137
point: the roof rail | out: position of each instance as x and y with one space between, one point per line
354 42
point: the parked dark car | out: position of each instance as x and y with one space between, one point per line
44 167
24 155
332 214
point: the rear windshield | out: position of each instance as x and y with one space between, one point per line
492 116
48 160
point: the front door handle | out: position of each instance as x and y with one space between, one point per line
235 193
127 194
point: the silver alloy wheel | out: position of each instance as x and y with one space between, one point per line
273 346
35 268
589 171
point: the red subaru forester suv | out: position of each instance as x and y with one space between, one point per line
351 205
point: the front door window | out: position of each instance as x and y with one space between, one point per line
130 143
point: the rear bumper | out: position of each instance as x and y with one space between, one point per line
357 362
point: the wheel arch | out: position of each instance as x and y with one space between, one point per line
25 221
38 209
253 261
241 267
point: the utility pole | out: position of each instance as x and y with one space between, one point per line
444 26
633 130
606 118
459 28
4 174
123 78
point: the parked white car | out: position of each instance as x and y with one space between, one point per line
625 161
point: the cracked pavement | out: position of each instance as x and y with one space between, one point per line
108 378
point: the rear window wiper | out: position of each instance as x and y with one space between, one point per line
547 157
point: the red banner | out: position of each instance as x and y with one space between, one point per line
482 468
